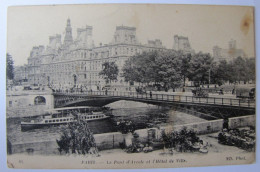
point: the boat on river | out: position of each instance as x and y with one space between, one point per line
63 116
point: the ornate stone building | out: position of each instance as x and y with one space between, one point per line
77 63
34 64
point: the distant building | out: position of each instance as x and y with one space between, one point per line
227 54
182 43
77 62
21 73
34 63
68 35
55 41
125 34
84 37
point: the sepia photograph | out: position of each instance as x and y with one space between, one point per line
126 86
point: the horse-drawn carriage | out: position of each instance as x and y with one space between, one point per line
140 90
245 92
198 92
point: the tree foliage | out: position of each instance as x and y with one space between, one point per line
171 69
250 66
77 138
185 65
9 67
199 68
239 67
155 67
237 70
141 68
109 72
182 141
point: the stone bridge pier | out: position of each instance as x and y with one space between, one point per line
28 102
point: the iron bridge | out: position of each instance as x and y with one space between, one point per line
213 106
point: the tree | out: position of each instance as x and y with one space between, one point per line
109 72
131 70
185 60
141 68
200 66
230 72
9 67
219 73
250 69
169 69
181 141
77 138
239 67
155 67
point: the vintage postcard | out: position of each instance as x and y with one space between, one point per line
130 86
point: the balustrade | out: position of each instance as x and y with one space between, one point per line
161 97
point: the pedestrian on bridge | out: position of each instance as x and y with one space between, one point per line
151 94
106 92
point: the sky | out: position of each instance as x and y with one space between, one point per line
205 26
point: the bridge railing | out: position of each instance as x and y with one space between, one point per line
167 98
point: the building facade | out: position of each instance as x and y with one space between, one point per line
228 54
77 63
21 74
182 43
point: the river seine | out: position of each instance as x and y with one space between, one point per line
142 115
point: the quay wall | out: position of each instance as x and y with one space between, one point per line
113 140
242 121
24 103
43 148
199 127
109 140
33 110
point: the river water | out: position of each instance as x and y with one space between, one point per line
139 113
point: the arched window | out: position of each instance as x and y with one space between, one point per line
39 100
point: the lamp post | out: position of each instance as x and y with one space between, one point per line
210 71
209 74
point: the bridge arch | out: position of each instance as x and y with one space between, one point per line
39 100
211 105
